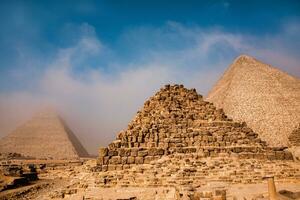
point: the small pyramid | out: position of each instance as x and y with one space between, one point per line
45 136
267 99
178 120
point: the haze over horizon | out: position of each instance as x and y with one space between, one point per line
98 61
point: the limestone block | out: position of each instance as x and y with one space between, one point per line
124 160
148 159
142 153
130 160
111 167
271 156
100 161
104 168
139 160
119 167
112 153
123 152
151 144
155 151
140 139
115 160
288 155
279 155
105 160
126 167
134 152
103 151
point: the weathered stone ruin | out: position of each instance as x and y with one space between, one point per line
179 140
12 176
45 136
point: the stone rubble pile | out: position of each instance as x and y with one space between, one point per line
178 121
13 176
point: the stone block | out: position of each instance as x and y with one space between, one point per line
124 160
139 160
115 160
126 167
155 151
134 152
142 153
103 151
124 152
148 159
279 155
112 153
151 144
288 155
271 156
111 167
119 167
104 168
140 139
130 160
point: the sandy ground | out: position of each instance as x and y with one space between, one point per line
77 182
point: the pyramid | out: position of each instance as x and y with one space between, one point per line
178 140
267 99
45 136
177 120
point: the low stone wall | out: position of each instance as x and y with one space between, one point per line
191 171
123 158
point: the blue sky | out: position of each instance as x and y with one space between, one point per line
98 61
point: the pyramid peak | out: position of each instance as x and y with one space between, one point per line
175 88
245 59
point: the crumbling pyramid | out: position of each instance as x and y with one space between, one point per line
267 99
178 120
178 140
45 136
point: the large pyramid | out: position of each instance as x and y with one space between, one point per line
267 99
45 136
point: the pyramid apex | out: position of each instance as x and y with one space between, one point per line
48 111
244 58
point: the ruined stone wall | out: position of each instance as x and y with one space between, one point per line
190 171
